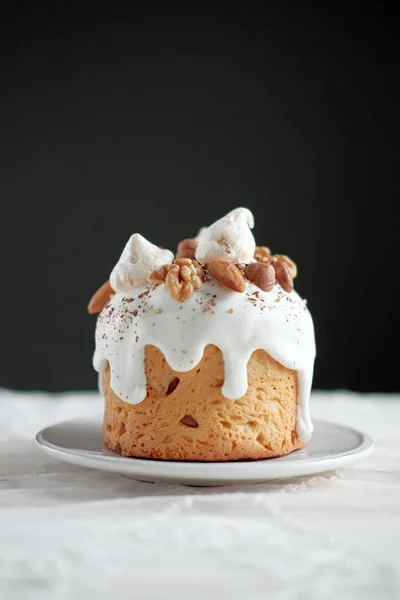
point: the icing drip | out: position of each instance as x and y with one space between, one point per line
238 324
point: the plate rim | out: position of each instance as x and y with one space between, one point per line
240 471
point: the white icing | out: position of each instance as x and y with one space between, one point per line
138 260
275 321
238 244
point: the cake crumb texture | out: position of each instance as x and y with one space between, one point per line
185 416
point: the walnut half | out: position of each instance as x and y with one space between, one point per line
181 278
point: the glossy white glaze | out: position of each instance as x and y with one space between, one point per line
238 324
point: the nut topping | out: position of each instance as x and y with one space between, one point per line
262 254
100 298
181 278
283 276
291 265
187 248
159 275
262 275
227 275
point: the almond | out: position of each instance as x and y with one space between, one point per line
100 298
227 275
283 276
186 248
262 253
262 275
291 265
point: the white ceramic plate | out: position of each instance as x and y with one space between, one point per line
80 442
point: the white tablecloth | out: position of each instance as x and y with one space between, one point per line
69 532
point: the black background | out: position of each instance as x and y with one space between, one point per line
161 122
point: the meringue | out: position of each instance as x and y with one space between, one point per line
138 260
228 239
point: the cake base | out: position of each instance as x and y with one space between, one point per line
185 416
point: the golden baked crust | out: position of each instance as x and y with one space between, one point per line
185 417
